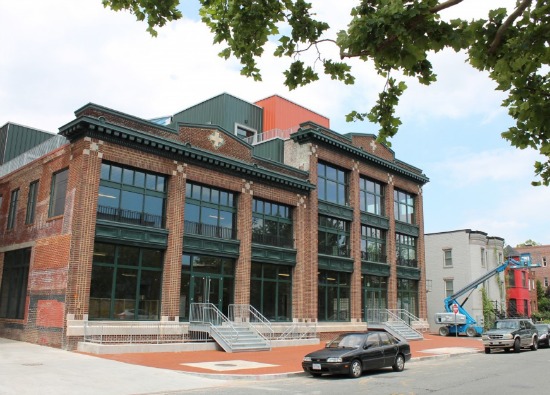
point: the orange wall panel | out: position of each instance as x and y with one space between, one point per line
280 113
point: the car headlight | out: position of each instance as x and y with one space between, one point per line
307 359
543 336
508 336
484 337
334 359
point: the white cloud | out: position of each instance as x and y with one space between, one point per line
467 169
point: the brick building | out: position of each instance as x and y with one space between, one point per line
540 254
132 219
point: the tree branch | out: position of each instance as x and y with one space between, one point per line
507 23
442 6
315 43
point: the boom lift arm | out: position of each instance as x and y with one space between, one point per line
463 322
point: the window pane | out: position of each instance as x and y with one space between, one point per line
132 201
151 182
100 292
128 256
139 179
108 197
128 176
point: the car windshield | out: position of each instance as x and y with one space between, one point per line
542 328
506 325
347 341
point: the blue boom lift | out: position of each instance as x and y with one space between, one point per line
462 322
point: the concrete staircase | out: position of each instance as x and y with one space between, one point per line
230 335
403 330
238 338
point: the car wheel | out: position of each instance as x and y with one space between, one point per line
517 345
471 331
355 369
535 344
399 364
443 331
487 350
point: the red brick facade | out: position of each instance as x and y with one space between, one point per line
60 269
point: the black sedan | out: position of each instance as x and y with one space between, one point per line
353 353
544 334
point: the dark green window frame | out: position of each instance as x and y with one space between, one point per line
403 204
197 267
374 296
13 290
271 291
334 303
12 213
126 282
58 193
131 195
272 224
371 194
407 295
332 184
373 244
31 202
210 211
333 236
405 247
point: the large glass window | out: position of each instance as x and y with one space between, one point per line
209 211
31 202
271 224
206 279
334 296
334 236
58 193
371 196
131 196
13 291
332 184
126 282
373 244
403 204
374 296
406 250
12 213
407 295
271 291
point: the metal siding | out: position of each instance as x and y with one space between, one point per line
272 149
3 139
223 110
283 114
19 139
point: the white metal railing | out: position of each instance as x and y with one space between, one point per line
41 149
283 134
208 314
413 321
386 316
140 332
245 313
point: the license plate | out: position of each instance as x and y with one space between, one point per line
316 366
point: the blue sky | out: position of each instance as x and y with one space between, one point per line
61 54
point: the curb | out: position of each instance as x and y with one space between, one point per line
274 376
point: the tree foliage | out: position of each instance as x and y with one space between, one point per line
528 243
398 36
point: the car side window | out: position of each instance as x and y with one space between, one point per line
522 325
372 341
386 341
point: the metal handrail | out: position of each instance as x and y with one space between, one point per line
209 314
247 313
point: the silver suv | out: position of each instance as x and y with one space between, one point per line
511 334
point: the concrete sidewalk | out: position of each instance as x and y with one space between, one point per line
31 369
279 362
28 369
